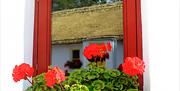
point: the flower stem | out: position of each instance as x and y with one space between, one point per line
62 87
29 80
95 61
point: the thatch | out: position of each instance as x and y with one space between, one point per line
100 21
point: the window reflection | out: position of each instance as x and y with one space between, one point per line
78 23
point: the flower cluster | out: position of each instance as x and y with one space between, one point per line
22 72
55 75
94 51
133 66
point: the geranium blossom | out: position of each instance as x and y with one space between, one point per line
55 75
109 47
133 66
60 75
95 51
50 78
22 71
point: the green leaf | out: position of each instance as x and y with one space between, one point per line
106 75
45 88
57 86
38 89
132 90
83 88
29 89
98 84
96 90
114 73
52 89
72 81
92 75
67 87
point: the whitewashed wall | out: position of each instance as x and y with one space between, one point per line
28 34
119 54
62 53
161 44
16 21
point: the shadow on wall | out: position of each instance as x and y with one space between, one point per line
28 35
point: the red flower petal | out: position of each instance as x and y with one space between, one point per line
50 78
103 47
21 71
133 66
109 47
60 75
95 51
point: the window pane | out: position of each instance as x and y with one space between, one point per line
78 23
75 53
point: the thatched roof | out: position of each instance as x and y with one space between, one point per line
99 21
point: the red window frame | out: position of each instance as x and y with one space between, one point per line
42 33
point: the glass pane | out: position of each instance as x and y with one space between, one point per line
77 24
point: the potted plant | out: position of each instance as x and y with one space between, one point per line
98 53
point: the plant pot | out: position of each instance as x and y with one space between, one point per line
101 64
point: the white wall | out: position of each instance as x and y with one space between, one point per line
119 53
62 53
16 23
161 44
28 34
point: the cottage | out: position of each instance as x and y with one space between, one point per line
74 29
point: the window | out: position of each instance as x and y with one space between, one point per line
42 33
75 54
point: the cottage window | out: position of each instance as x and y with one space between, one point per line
75 54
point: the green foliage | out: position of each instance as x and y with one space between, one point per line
98 85
76 87
132 90
91 78
102 79
39 84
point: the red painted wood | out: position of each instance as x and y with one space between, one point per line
35 44
49 32
139 38
42 38
132 31
125 28
129 27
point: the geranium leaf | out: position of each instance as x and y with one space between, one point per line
29 89
132 90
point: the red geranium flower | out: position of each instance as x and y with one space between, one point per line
92 51
109 47
133 66
50 78
22 71
60 75
55 75
102 47
97 51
